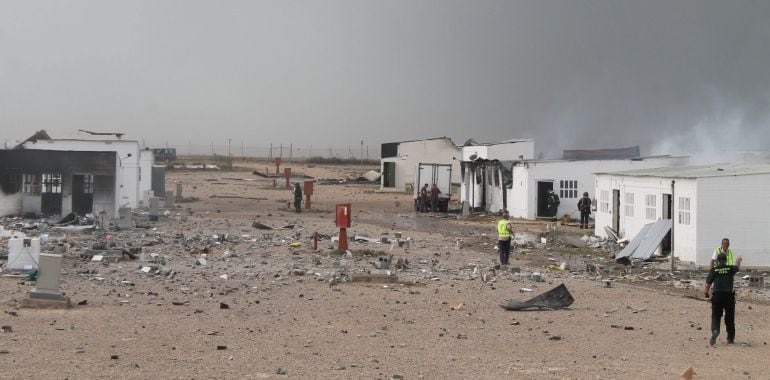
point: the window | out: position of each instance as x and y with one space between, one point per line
497 176
51 183
650 207
88 184
30 184
684 210
568 189
629 204
604 201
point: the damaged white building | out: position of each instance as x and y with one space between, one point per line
398 161
704 204
485 171
87 172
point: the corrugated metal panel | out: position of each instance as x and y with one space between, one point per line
646 241
631 247
653 239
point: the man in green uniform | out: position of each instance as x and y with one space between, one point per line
723 297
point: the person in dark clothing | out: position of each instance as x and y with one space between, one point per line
723 296
434 192
584 205
552 203
504 235
424 197
297 197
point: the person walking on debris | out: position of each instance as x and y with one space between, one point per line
434 192
424 198
552 203
724 248
297 198
584 205
723 297
504 234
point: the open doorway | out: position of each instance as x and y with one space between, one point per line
82 194
667 204
543 187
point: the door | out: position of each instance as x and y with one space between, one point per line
616 210
389 174
82 194
542 194
667 205
50 197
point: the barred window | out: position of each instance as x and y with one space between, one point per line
684 210
650 207
568 189
88 184
30 184
604 201
51 183
629 204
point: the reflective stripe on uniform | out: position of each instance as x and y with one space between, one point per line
502 231
730 256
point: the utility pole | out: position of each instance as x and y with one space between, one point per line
291 153
212 148
281 155
362 154
229 142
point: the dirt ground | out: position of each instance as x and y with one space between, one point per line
261 309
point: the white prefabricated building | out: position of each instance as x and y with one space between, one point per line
485 171
531 180
706 203
87 172
398 161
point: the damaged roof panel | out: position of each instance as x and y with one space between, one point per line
646 241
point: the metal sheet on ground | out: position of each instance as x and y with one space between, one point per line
554 299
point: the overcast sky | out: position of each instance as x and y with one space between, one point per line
663 74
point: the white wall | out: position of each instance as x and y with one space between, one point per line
434 151
10 204
738 208
634 217
524 198
126 168
502 151
146 160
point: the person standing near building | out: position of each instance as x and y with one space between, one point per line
723 296
584 205
724 248
552 203
297 198
424 198
434 192
504 235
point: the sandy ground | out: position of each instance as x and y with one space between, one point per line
280 313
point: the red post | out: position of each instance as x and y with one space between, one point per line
277 164
343 244
343 221
308 192
287 174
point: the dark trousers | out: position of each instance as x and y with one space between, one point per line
505 250
584 217
298 204
434 204
723 301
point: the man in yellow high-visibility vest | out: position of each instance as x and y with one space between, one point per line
724 248
504 235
